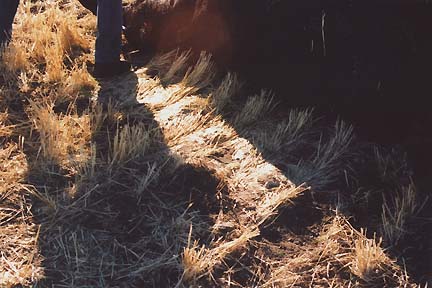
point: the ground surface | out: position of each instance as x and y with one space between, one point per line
170 177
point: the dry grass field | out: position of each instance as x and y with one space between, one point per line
166 178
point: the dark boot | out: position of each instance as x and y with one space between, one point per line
107 70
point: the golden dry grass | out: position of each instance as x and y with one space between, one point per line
339 247
173 183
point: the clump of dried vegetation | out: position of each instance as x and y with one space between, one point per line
174 182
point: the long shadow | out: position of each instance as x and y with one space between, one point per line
119 222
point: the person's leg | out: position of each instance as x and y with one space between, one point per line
109 25
8 10
90 5
108 40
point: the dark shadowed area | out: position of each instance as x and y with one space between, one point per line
367 62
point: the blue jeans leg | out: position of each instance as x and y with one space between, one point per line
8 9
109 25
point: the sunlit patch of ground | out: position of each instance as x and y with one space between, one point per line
171 181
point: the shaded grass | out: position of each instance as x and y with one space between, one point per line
173 182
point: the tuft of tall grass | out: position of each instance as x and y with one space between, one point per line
256 107
396 213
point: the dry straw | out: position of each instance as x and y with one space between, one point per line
115 195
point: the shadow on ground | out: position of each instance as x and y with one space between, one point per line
381 90
122 218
